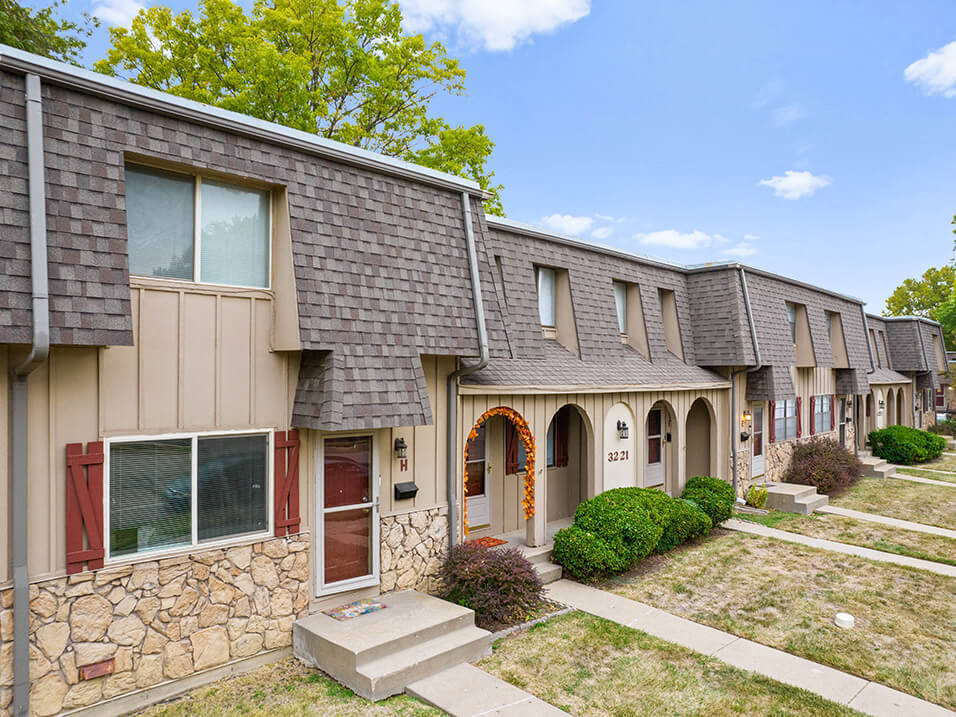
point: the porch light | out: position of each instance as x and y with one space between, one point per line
747 418
882 404
401 448
622 430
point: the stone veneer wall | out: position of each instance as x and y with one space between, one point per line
779 453
412 548
159 620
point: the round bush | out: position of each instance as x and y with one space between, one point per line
687 521
620 518
499 584
902 444
584 555
825 464
712 495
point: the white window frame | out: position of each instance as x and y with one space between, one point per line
374 578
197 229
620 305
195 544
541 271
792 320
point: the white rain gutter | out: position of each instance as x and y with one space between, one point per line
39 351
733 376
451 392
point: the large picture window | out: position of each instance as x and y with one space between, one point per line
186 490
785 420
822 413
196 229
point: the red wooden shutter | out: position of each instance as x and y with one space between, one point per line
84 506
511 448
813 417
561 437
799 416
286 483
833 412
772 412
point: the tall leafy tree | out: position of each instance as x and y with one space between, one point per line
42 32
343 69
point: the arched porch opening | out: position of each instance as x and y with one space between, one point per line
899 407
891 407
700 435
568 460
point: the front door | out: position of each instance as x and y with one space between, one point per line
348 535
477 485
756 443
654 473
842 421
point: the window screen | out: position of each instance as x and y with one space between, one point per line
232 485
150 495
159 223
234 242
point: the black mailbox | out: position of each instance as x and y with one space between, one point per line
406 490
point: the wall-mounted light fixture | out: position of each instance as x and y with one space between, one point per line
747 417
622 430
882 404
401 448
849 403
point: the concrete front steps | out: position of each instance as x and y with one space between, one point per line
379 654
874 467
540 559
794 498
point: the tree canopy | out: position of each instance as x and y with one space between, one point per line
42 32
343 69
933 296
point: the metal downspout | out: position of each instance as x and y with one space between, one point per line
451 390
733 376
39 351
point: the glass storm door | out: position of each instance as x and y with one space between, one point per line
477 484
756 443
842 421
654 474
348 515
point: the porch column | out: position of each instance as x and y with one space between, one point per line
536 526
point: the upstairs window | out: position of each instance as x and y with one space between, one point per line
620 303
546 295
792 319
196 229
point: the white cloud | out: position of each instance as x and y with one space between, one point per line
602 232
935 73
567 224
604 217
116 12
676 240
495 25
794 185
743 248
751 237
788 114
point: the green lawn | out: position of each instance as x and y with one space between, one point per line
590 666
861 532
284 689
785 595
906 500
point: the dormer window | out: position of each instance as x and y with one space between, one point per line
792 319
672 338
620 303
546 296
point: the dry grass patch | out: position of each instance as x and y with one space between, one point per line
863 533
284 689
943 463
590 666
785 595
918 502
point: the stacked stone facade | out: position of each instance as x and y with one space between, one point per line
159 620
412 549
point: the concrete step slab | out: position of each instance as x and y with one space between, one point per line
548 572
466 691
790 497
807 505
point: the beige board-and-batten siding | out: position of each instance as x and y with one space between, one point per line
538 408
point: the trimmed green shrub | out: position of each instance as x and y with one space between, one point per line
499 584
824 464
584 555
712 495
686 521
620 517
902 444
757 496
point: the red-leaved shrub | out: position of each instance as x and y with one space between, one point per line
825 464
499 584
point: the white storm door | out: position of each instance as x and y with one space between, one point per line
756 443
654 471
477 484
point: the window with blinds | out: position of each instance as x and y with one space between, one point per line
159 499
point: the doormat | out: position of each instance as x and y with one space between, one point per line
354 609
488 542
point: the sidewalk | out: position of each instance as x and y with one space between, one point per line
756 529
856 692
895 522
919 479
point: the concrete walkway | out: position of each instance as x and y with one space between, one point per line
920 479
895 522
856 692
879 555
466 691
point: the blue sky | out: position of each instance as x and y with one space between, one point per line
790 136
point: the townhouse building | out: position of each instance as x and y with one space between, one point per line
249 373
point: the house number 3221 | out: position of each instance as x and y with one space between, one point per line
613 456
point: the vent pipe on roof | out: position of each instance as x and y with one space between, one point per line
733 376
19 395
451 392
